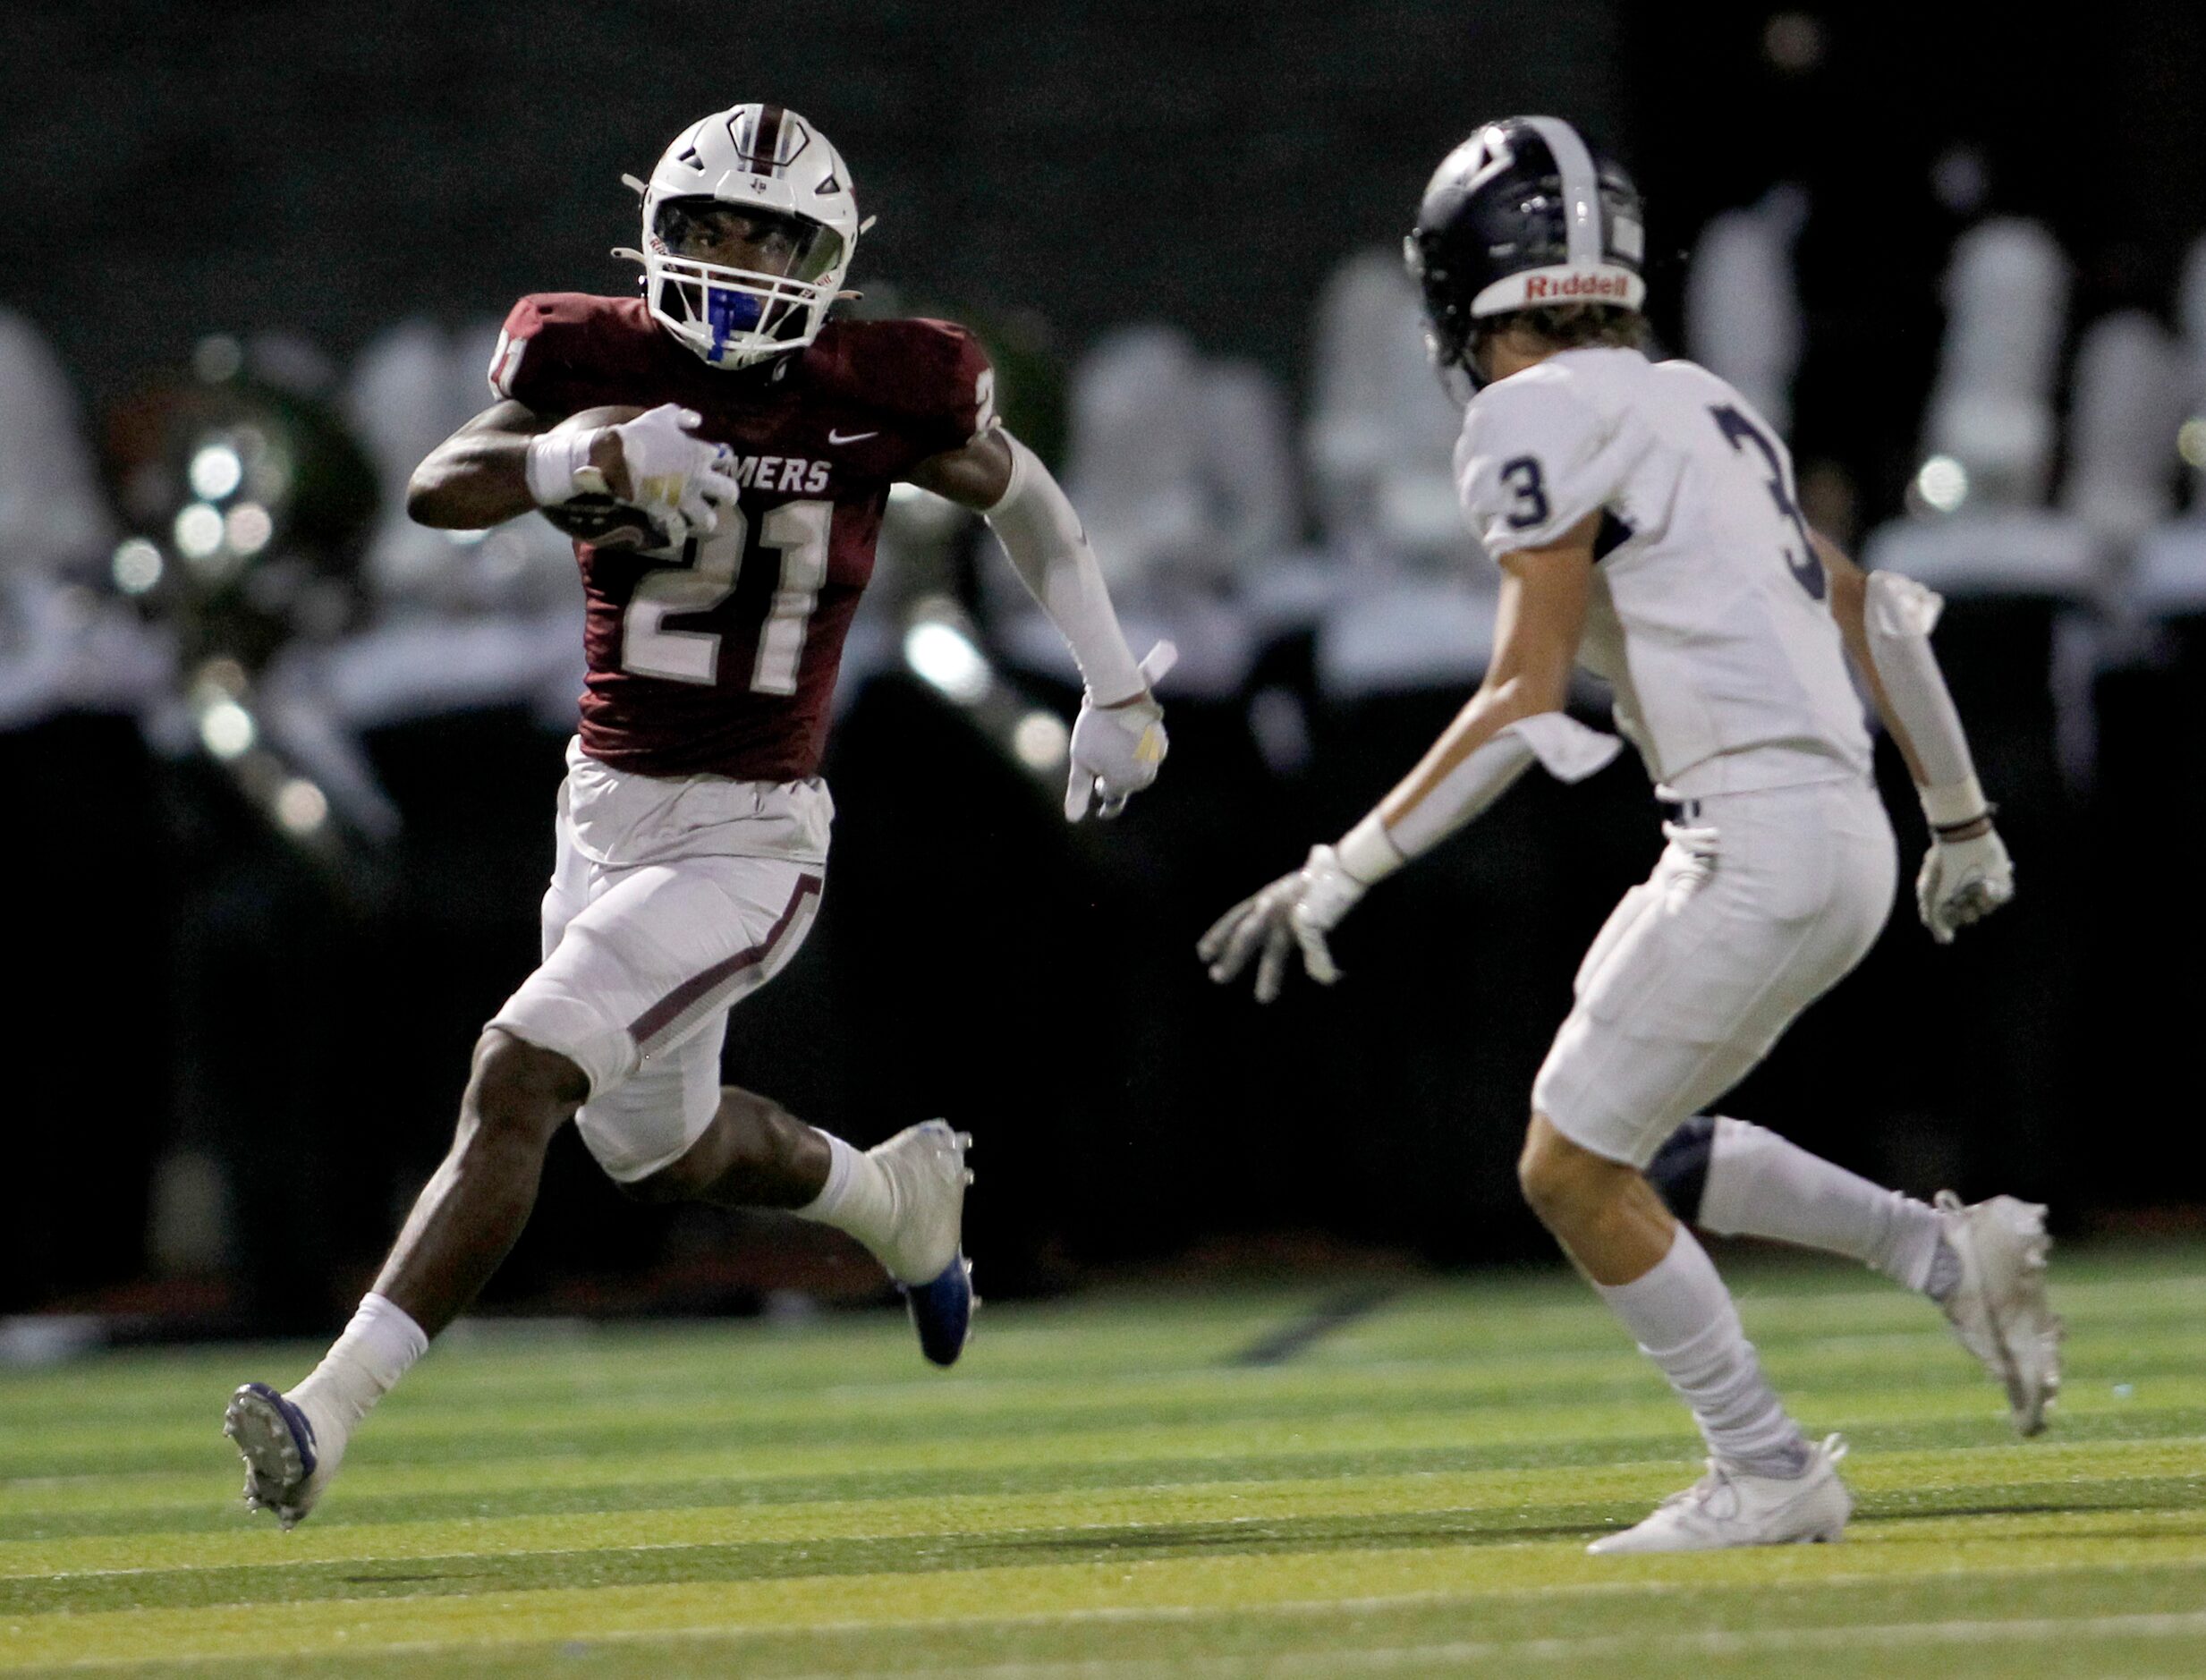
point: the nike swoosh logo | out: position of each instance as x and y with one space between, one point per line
849 437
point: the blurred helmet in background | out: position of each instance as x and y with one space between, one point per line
249 506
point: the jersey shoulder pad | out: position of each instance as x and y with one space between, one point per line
558 348
931 379
1534 459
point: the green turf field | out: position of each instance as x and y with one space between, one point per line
1106 1488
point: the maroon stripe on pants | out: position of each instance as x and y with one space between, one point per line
669 1008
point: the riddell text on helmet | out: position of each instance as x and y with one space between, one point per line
1577 285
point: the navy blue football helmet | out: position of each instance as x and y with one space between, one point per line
1521 216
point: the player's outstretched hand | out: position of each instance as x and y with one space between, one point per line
1963 881
1116 749
680 480
1296 912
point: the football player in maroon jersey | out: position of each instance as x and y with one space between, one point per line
736 490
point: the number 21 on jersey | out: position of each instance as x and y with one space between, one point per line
796 533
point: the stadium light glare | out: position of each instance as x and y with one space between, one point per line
217 357
1794 41
1041 741
226 729
301 806
197 531
1942 483
215 472
945 657
137 566
219 679
249 527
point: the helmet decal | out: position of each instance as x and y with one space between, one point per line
775 143
1486 155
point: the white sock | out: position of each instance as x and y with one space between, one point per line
1682 1318
857 1197
377 1348
1760 1185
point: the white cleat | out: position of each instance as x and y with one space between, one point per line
287 1467
1727 1508
926 1175
1999 1309
925 1167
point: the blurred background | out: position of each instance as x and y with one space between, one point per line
293 759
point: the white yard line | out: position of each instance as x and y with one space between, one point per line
1363 1659
1420 1659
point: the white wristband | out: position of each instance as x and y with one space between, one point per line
1367 852
552 460
1955 804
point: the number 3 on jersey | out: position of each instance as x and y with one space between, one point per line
795 530
1739 431
1523 476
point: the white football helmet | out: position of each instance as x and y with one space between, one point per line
768 161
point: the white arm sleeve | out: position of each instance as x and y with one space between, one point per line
1566 748
1900 615
1049 551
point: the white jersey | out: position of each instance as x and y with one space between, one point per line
1709 616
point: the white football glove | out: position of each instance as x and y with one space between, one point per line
1116 749
681 481
1297 909
1963 881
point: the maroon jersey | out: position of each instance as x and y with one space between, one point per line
721 658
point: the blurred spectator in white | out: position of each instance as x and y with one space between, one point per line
2124 408
1979 521
52 514
1181 472
413 386
1135 464
1417 606
1991 411
1977 525
1248 466
462 619
62 646
1743 315
1382 437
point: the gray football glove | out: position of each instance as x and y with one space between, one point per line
1963 881
1296 912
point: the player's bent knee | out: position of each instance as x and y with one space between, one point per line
521 1088
1562 1180
740 1149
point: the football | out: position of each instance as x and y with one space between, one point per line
603 521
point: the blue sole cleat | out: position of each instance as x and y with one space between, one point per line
942 1311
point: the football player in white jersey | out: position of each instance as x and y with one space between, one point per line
1644 520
